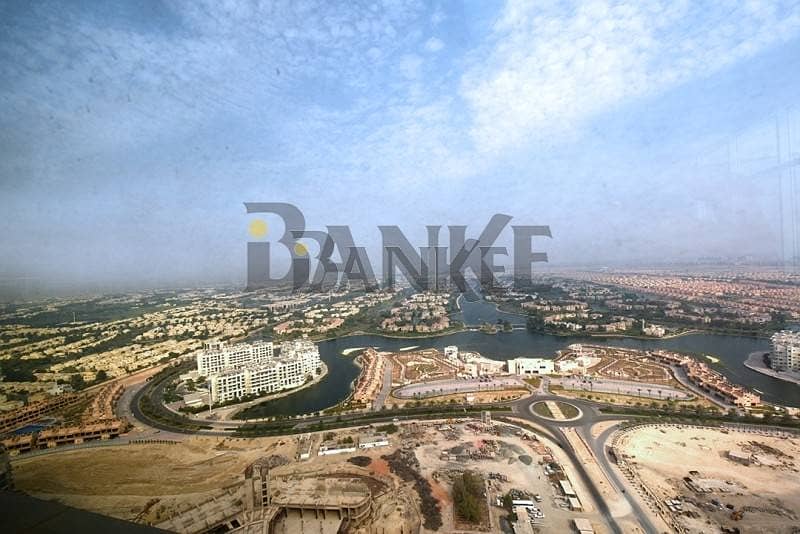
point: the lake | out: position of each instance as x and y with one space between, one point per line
732 351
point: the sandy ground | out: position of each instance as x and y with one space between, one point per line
768 493
150 483
617 503
123 481
529 477
602 426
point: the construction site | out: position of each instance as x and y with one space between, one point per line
358 480
701 479
69 418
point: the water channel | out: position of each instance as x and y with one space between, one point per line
731 351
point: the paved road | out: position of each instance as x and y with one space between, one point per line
450 386
680 376
600 451
589 416
386 386
623 387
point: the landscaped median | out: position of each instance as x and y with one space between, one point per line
556 410
298 426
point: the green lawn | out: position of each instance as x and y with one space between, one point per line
568 410
534 381
540 408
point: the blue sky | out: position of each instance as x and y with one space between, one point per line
132 133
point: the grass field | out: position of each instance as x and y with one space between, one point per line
534 381
540 408
568 410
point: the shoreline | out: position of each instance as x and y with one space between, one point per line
755 362
588 339
378 334
229 412
651 338
565 336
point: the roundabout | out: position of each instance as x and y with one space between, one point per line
573 412
556 410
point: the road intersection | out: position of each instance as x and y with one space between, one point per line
588 416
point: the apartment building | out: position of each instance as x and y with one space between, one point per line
218 356
785 354
296 361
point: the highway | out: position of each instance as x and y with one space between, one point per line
522 409
600 452
226 428
386 388
590 415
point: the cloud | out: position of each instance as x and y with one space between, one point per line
410 66
434 44
331 106
438 17
544 72
552 66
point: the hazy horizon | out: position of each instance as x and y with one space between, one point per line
642 132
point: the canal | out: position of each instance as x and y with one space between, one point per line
731 351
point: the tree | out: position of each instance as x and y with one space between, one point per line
101 376
467 494
535 323
77 382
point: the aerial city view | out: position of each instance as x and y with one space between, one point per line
400 267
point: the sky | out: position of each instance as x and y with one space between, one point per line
132 133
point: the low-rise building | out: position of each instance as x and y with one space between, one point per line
653 330
566 488
743 458
196 399
530 366
331 447
304 448
370 441
583 525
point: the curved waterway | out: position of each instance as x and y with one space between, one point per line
731 351
481 311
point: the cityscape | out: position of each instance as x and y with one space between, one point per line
400 267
